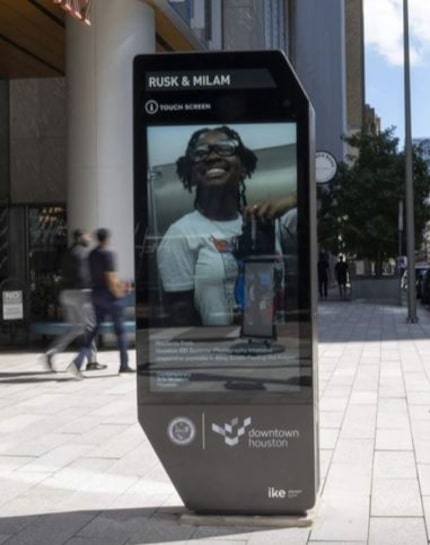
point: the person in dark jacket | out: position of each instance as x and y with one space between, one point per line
323 267
75 301
341 270
108 299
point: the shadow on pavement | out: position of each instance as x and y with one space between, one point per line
116 527
28 377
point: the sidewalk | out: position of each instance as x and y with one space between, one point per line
76 468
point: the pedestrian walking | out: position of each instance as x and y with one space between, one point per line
323 267
75 301
341 270
108 293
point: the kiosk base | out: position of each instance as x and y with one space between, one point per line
245 460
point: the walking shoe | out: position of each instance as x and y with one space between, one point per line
74 370
95 366
47 361
127 370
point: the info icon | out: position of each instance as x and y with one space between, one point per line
181 431
151 107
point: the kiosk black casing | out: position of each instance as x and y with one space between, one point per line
236 435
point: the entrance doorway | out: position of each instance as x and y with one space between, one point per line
33 238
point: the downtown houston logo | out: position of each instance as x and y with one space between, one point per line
241 431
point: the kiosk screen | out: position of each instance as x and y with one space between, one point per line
221 258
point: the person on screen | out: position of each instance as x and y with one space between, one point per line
196 257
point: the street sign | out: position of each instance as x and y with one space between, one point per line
12 305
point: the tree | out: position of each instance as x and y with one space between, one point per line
358 212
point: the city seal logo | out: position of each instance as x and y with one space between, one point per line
181 431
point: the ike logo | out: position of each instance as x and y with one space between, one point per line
276 493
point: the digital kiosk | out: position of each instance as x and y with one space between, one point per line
225 229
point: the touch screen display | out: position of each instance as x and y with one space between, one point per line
220 260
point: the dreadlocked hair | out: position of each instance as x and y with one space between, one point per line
246 156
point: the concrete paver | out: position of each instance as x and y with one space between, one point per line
77 469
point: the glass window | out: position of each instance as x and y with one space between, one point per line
47 228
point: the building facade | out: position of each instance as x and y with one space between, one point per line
66 119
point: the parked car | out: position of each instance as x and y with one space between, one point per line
421 270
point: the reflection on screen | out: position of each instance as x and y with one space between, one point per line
258 312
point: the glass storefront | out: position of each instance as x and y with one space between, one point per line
33 239
47 226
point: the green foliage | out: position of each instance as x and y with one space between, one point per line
358 211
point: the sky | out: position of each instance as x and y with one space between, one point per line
383 35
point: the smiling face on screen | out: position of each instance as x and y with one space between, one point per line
215 161
215 165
